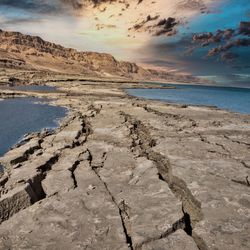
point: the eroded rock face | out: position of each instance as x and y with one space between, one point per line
121 173
19 51
24 51
25 47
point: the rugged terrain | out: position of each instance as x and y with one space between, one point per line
19 51
125 173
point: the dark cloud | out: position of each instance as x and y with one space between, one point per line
186 55
208 38
20 21
244 42
37 6
244 28
76 4
44 6
79 4
148 19
173 44
228 56
226 40
164 26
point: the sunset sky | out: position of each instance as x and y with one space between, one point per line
109 28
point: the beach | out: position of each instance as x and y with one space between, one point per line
126 173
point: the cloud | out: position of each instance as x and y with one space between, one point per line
158 28
44 6
226 39
162 62
244 28
244 42
76 4
228 56
21 20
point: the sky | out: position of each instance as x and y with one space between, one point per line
106 28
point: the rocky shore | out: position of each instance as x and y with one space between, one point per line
124 173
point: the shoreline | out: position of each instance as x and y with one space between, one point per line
176 104
214 107
69 112
26 93
54 124
117 155
215 85
40 94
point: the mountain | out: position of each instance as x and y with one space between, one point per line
21 51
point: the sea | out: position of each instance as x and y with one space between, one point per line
229 98
19 116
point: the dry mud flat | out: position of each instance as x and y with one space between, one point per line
123 173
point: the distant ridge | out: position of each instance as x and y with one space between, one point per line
32 52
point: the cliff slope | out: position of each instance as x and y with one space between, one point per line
21 51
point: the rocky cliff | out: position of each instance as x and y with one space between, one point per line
32 52
36 53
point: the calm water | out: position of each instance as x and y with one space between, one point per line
233 99
20 116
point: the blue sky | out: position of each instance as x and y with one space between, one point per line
224 15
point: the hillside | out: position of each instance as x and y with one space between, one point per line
21 51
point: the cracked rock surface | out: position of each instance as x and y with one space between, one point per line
124 173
